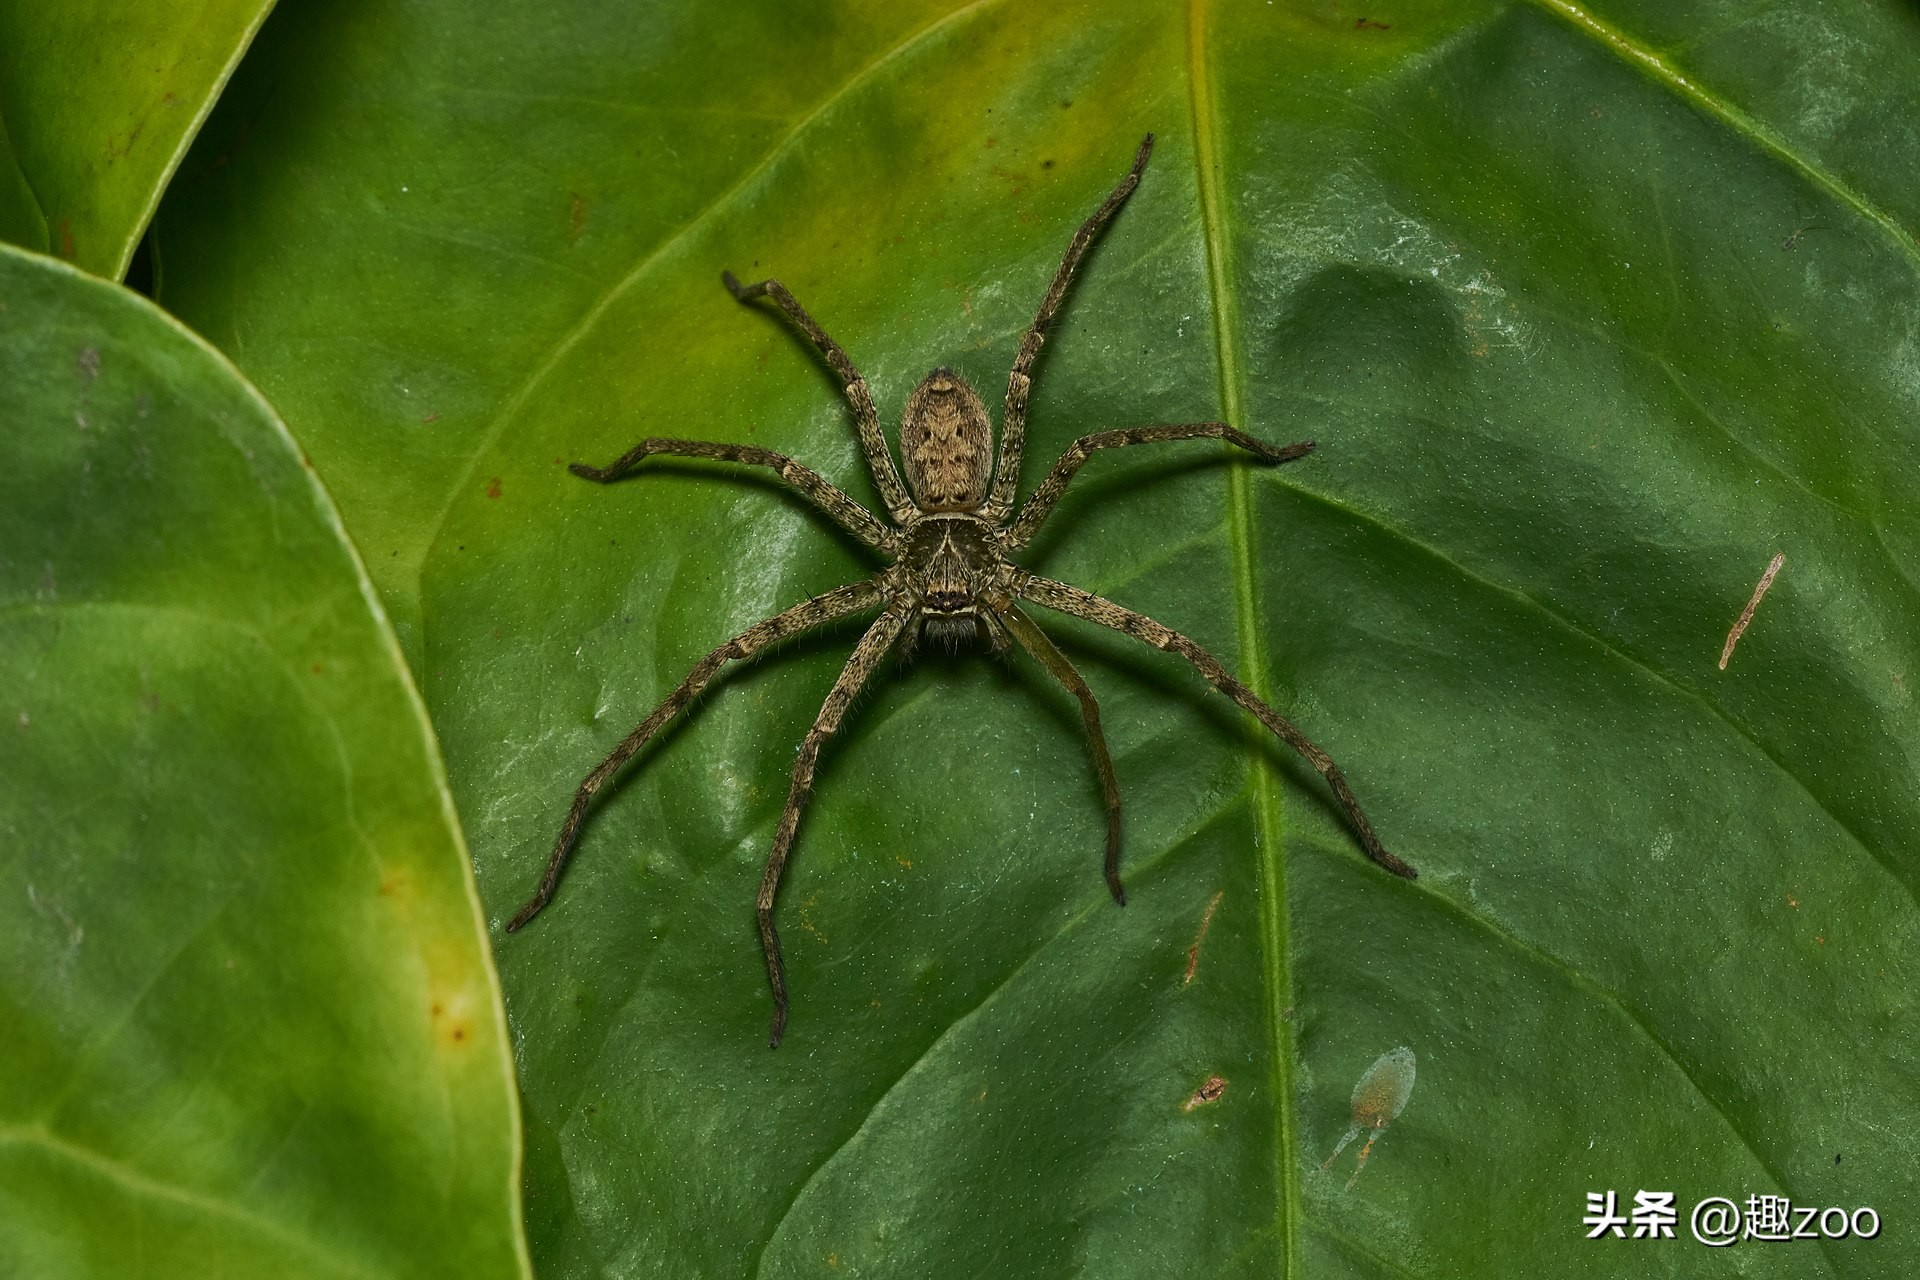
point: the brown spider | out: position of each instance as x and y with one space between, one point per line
948 575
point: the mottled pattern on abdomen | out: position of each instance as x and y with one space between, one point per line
946 442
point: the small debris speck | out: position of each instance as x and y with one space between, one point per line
1746 614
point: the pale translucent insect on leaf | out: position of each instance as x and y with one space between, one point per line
1380 1096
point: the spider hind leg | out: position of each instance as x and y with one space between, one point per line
853 677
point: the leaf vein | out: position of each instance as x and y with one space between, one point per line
1666 680
592 316
1097 901
141 1184
1715 105
1266 792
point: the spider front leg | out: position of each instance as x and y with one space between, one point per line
1041 504
842 509
866 657
866 419
1036 642
1085 604
802 617
1013 429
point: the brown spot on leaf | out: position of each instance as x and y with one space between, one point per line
451 1017
1015 180
1369 24
432 417
397 886
125 148
1206 922
493 487
65 229
576 216
1208 1092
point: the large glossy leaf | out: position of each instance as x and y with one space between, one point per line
98 102
251 1027
1593 311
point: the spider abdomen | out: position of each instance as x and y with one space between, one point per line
946 442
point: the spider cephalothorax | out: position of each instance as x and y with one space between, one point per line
957 578
949 577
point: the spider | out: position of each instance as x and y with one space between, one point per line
948 577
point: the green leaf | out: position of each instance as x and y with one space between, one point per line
1531 278
98 103
251 1024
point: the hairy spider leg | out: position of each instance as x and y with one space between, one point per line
804 616
1040 504
866 419
1085 604
1013 424
866 658
842 509
1036 642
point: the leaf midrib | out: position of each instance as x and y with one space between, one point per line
1250 658
1230 365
